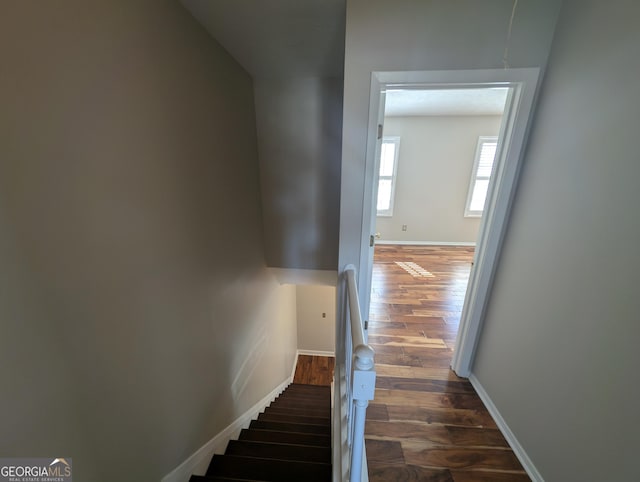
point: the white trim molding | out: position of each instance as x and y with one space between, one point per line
198 462
316 353
427 243
522 84
524 459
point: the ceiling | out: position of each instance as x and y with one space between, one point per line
478 101
280 38
275 38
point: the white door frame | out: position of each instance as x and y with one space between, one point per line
518 110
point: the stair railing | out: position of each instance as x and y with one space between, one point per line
360 378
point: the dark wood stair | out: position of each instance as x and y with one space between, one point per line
289 442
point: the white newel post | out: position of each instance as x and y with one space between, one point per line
364 383
360 379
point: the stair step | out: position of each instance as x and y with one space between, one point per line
289 442
310 390
278 417
304 401
279 451
291 427
306 394
290 403
302 412
313 388
300 408
268 470
285 437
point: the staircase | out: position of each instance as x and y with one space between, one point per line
289 442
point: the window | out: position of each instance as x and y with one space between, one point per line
480 176
387 179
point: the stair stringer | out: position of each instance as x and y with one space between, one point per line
198 462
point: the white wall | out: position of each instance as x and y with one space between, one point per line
417 35
434 169
315 332
299 123
138 318
559 351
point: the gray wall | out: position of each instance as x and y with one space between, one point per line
294 52
558 353
422 35
435 161
128 307
299 122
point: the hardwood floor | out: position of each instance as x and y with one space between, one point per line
425 423
314 370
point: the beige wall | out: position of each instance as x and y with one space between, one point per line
315 332
408 35
559 351
133 287
435 161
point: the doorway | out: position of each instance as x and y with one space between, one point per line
518 85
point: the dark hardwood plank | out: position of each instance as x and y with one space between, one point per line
408 473
424 385
463 401
447 416
384 452
426 423
488 476
314 370
376 411
459 457
436 434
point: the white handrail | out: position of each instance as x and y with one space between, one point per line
362 377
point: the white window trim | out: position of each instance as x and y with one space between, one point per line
390 140
468 213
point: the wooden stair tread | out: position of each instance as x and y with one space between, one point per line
296 404
285 437
305 393
279 451
319 388
289 442
292 390
278 417
269 470
313 412
304 402
291 427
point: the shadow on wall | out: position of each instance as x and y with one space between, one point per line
299 124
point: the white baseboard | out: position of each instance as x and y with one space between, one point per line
427 243
295 365
198 462
316 353
526 462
